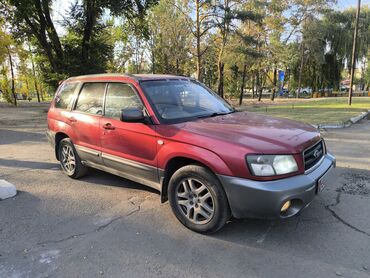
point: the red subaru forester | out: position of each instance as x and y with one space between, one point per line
174 134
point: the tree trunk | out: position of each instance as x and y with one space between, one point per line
42 94
253 85
53 35
12 73
275 81
300 70
153 61
199 58
46 26
40 34
34 75
28 87
90 14
224 30
242 85
220 88
313 80
259 90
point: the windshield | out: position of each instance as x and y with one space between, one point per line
181 100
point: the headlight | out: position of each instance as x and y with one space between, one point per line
271 165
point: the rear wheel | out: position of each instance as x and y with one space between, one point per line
198 200
69 160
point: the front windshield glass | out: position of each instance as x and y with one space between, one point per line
181 100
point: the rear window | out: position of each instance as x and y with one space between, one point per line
64 98
90 99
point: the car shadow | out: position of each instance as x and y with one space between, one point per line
14 136
28 164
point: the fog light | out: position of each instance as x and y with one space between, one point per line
285 206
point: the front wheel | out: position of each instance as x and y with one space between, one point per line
69 160
198 200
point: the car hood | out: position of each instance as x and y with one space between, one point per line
258 133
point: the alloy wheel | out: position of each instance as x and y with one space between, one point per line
195 201
68 159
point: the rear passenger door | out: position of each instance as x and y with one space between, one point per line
129 148
85 121
59 111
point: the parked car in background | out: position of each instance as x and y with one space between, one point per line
284 92
174 134
305 91
326 90
344 88
21 96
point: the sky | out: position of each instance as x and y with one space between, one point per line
342 4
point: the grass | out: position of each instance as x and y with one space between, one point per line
313 111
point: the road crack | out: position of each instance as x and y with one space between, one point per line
340 219
98 229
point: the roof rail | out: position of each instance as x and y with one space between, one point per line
104 75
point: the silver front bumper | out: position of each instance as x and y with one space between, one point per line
264 199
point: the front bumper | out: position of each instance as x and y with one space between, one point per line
256 199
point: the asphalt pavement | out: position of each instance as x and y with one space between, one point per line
106 226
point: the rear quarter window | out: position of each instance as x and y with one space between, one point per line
90 99
64 98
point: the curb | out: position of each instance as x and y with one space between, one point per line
348 123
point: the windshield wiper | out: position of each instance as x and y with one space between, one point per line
215 114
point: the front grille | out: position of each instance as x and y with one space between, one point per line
313 154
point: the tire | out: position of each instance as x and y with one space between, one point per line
198 200
69 160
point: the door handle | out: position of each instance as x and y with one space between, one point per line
72 119
108 126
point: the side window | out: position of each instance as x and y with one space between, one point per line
120 96
64 98
90 99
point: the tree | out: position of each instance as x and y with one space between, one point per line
77 51
300 12
199 28
7 50
227 15
327 48
170 40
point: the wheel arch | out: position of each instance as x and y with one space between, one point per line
172 166
59 136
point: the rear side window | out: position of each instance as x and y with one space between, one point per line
90 99
120 96
64 98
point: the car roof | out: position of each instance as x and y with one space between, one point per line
137 77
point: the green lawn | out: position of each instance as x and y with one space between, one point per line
314 111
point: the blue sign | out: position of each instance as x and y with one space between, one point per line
281 82
281 75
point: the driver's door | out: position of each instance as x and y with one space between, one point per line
129 148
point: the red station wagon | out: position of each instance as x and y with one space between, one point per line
174 134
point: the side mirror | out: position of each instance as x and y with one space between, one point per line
133 115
